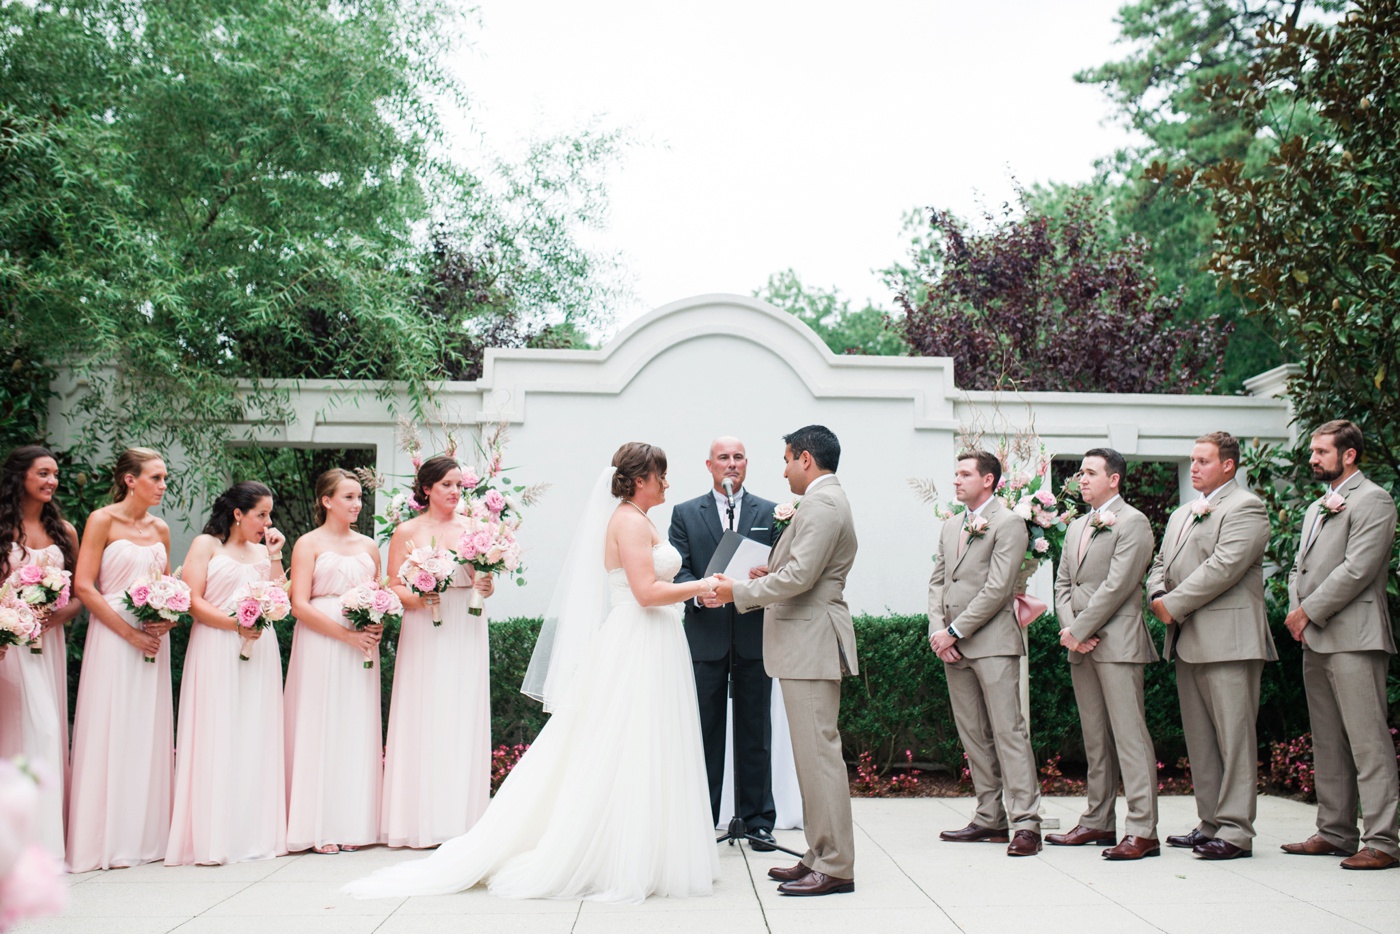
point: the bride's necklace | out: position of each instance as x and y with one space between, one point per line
642 511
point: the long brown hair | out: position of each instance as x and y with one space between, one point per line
12 476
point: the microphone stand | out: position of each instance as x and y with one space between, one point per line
737 829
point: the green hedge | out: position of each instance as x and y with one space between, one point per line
900 699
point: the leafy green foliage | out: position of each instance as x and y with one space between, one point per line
829 313
200 192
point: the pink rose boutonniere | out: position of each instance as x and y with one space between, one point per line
1333 504
1102 521
1200 509
782 515
976 527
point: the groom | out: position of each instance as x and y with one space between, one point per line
809 643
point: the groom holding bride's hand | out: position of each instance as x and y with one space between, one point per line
809 643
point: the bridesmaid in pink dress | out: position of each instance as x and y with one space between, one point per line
34 688
437 770
335 747
230 781
123 755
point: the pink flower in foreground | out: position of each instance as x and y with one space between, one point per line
30 574
425 581
140 594
179 602
248 612
495 502
383 601
1041 546
470 480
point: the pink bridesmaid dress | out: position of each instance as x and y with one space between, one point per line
34 711
437 771
335 749
230 791
123 747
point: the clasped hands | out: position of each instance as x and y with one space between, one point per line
724 588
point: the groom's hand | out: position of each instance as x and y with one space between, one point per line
724 593
942 643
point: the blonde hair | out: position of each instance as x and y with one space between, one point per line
131 463
325 486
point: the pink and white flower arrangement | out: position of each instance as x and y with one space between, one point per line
976 526
44 587
1333 503
1102 521
783 514
19 624
158 598
492 512
31 880
1201 508
261 604
428 570
372 603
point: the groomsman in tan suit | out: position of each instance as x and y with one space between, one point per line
972 627
1338 610
1098 597
810 644
1207 585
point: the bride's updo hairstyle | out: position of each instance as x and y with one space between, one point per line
243 497
433 470
633 462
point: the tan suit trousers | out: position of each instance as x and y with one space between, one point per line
1117 745
812 709
1353 755
986 699
1219 707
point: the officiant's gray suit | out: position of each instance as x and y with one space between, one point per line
809 644
1210 571
973 588
1339 578
1099 596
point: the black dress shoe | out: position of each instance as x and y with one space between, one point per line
1219 849
1188 840
761 840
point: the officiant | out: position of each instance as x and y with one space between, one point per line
726 648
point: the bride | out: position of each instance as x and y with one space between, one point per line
611 802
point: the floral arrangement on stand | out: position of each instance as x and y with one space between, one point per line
159 598
43 587
373 603
260 604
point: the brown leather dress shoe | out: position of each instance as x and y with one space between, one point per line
1219 849
975 833
1370 858
790 874
1134 848
1314 846
1025 843
817 883
1081 835
1188 840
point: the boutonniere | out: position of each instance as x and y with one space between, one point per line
782 515
1332 504
1102 521
1200 509
976 527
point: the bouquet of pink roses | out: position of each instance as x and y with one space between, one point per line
18 621
493 514
261 604
428 570
42 586
488 546
158 598
372 604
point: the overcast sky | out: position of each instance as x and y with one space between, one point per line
795 134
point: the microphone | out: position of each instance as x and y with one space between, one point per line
728 484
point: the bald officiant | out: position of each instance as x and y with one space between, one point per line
726 647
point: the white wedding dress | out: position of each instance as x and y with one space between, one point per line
611 801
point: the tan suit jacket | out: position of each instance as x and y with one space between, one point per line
807 631
973 591
1102 595
1212 571
1340 577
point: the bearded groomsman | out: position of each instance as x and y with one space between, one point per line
972 627
1098 597
1338 610
1207 586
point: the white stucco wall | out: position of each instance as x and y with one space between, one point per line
725 364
